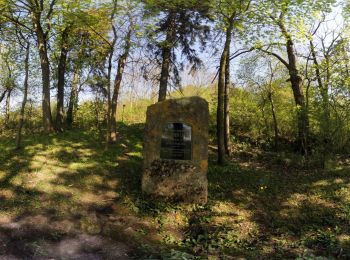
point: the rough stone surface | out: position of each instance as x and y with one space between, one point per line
177 180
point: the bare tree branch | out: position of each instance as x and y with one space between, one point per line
285 63
3 95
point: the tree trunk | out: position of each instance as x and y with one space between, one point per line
25 95
322 87
220 117
166 56
97 109
302 114
264 131
73 99
74 92
7 107
346 59
109 76
324 90
325 100
61 81
109 101
9 87
296 81
45 74
117 83
227 106
275 123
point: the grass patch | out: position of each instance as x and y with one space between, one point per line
67 185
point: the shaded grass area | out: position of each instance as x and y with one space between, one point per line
281 213
67 196
63 186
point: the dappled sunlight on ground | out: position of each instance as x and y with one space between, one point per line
59 192
68 196
290 212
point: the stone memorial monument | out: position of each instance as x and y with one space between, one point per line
176 150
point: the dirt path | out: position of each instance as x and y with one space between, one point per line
30 238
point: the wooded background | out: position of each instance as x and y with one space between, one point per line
276 73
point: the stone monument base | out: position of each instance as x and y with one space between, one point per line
175 181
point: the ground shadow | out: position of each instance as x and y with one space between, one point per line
292 210
70 196
61 196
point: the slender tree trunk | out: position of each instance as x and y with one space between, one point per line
117 83
347 61
296 82
45 74
220 117
61 81
220 120
7 107
275 123
264 131
73 99
273 110
227 106
30 115
109 101
74 93
324 90
325 101
163 83
166 56
109 76
97 109
9 87
25 95
322 87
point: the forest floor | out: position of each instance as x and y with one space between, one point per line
67 196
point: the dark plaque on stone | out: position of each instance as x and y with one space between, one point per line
176 142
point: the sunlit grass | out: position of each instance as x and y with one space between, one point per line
256 208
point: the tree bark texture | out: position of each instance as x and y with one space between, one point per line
61 81
24 101
220 117
73 98
323 91
117 83
7 107
274 117
45 71
296 83
227 106
166 55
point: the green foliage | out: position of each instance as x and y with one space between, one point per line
90 115
177 25
133 112
323 240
